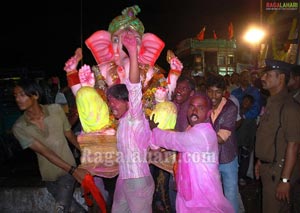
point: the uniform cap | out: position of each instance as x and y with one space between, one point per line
278 65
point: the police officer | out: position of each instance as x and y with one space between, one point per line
278 139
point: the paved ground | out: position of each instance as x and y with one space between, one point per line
22 170
251 196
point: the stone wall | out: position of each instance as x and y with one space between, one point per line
30 199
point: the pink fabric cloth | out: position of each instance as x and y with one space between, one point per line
133 137
198 178
133 195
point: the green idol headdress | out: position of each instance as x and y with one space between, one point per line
128 19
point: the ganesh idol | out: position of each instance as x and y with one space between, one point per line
113 62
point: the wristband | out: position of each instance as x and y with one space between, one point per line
73 79
72 170
284 180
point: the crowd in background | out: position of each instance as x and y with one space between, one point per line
243 89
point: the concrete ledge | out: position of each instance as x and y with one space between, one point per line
31 199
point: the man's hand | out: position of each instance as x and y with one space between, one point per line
79 174
256 169
283 192
129 40
152 123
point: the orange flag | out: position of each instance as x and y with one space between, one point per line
200 35
230 31
215 35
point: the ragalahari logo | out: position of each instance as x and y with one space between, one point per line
282 5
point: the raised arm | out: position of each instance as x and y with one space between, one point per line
71 70
130 41
174 73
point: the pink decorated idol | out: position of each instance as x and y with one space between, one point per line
108 49
86 76
149 74
161 94
174 73
71 70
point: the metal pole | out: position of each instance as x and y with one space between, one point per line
81 29
261 12
298 39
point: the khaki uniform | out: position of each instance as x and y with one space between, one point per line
279 125
296 96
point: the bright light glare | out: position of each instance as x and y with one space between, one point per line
254 35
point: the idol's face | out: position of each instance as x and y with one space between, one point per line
117 43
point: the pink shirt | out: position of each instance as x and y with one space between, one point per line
198 178
133 137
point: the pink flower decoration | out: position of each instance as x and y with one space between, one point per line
86 76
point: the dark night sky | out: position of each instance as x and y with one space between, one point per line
44 35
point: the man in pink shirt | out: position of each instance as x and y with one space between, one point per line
197 177
135 186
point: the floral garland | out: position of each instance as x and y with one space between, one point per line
148 99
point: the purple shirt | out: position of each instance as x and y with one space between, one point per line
133 137
226 120
198 178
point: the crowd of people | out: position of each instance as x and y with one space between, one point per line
228 129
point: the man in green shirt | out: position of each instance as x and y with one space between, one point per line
44 129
